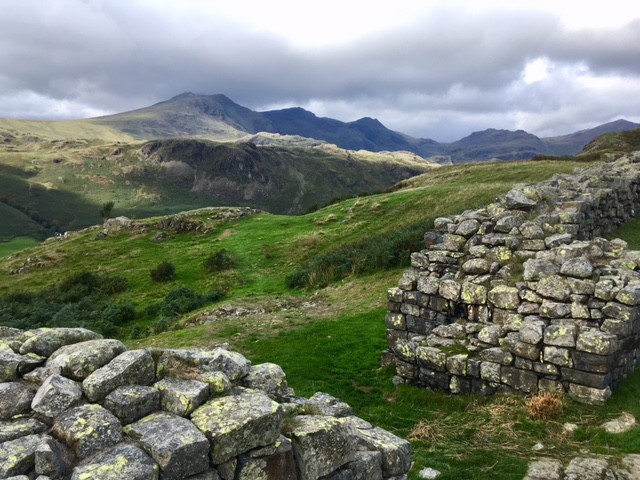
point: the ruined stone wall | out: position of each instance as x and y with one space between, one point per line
524 294
76 406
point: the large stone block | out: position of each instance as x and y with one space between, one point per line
45 341
56 395
236 424
181 397
123 461
87 429
132 402
134 367
79 360
321 444
15 398
396 452
176 445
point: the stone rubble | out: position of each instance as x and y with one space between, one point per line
75 406
525 295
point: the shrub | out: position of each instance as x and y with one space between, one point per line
219 261
165 272
119 314
182 300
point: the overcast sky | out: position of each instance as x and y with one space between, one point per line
432 69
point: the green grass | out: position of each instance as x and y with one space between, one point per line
16 244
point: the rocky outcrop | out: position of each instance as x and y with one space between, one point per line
524 294
89 409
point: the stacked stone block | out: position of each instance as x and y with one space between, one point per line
76 406
524 294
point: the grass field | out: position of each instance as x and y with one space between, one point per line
330 339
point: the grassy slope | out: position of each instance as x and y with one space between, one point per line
334 344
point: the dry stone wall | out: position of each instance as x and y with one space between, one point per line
76 406
525 294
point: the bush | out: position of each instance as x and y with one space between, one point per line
165 272
219 261
182 300
119 314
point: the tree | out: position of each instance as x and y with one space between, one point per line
107 208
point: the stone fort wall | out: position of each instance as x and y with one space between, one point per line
525 294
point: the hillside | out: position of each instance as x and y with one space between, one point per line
50 184
326 338
217 117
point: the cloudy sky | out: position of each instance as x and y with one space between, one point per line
432 69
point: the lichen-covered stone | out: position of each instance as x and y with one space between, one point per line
18 456
134 367
504 297
551 309
235 424
554 287
12 365
365 466
535 269
545 469
449 289
473 294
490 334
560 335
589 395
597 342
396 452
557 356
15 398
56 395
123 461
181 397
53 459
432 358
276 464
582 468
578 267
87 429
321 444
476 266
176 445
45 341
531 332
132 402
325 404
20 427
268 377
79 360
176 362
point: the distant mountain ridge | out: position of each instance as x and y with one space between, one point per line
218 117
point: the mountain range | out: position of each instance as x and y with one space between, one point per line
217 117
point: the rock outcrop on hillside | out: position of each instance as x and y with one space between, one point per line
77 406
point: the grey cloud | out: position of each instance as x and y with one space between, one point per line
442 75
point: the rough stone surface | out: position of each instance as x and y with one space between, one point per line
235 424
53 428
134 367
123 461
79 360
15 398
56 395
45 341
321 445
132 402
87 429
177 446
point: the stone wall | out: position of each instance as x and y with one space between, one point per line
76 406
524 295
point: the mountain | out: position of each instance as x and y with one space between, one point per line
217 117
575 142
492 144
